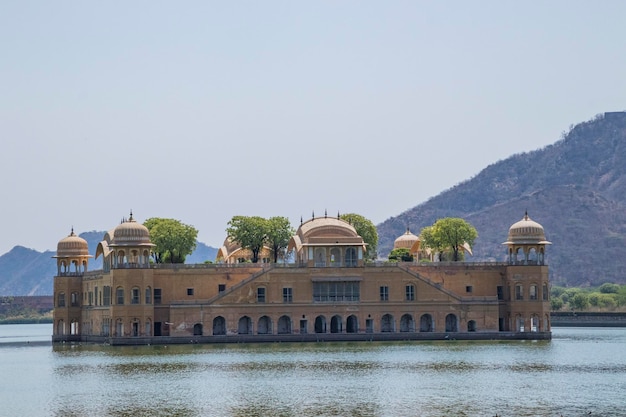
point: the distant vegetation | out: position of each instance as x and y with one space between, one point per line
607 297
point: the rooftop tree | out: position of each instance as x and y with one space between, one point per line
174 240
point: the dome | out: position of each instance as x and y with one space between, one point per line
72 246
130 233
407 240
526 231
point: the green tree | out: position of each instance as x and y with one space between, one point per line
366 229
174 240
401 254
450 233
249 232
609 288
431 240
580 301
556 303
279 232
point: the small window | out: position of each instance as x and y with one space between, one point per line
545 292
221 287
120 296
135 296
384 293
410 293
500 292
532 293
519 292
469 289
61 300
287 295
148 295
74 299
190 291
260 295
157 296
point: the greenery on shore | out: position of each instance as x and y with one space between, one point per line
607 297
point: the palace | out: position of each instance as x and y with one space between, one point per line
327 292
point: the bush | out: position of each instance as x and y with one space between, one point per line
580 301
556 303
609 288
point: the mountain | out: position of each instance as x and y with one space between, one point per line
575 188
29 272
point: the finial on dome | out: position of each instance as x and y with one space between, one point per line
130 219
300 219
325 213
338 216
526 215
408 231
72 232
313 215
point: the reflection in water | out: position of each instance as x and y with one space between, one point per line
573 374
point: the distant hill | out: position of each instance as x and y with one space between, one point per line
576 188
29 272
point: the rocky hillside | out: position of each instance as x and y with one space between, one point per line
576 188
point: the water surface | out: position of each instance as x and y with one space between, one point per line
581 370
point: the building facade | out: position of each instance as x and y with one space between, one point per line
328 292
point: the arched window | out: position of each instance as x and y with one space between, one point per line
74 328
352 324
197 329
351 257
335 257
426 323
545 294
74 299
119 328
61 299
320 257
219 326
245 325
284 325
320 324
519 292
148 295
336 324
61 327
119 295
265 325
148 328
451 323
532 292
471 326
406 323
135 295
387 324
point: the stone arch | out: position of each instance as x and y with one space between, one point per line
284 325
60 329
148 328
426 323
320 256
197 329
471 326
336 324
406 323
245 325
335 257
352 324
351 258
387 324
452 323
264 326
219 326
320 324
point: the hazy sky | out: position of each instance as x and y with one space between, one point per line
203 110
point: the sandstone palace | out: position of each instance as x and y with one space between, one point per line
327 292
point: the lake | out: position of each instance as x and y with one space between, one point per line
580 370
